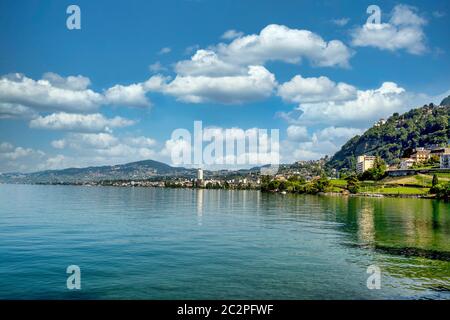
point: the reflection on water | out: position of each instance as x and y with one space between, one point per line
199 206
413 236
396 223
147 243
366 225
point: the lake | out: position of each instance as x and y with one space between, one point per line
151 243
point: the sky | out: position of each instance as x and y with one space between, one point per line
115 90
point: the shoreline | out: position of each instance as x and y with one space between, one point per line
330 194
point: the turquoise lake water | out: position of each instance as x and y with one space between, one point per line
150 243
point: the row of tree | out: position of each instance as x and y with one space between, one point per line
296 184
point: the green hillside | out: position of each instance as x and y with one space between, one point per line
398 136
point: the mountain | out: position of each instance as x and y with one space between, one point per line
395 138
446 101
135 170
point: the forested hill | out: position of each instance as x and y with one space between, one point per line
398 136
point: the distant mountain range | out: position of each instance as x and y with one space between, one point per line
398 135
135 170
140 170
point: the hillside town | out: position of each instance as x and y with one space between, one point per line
433 156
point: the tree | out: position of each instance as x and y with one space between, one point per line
322 184
353 184
435 185
377 172
435 181
442 191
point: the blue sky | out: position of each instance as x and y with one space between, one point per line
114 91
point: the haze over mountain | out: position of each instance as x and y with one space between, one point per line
135 170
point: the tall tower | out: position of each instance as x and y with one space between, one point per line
199 181
199 174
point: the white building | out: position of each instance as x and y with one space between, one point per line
406 163
364 163
445 161
380 122
200 174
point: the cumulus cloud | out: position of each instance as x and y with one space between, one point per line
78 150
257 84
91 140
403 31
79 122
368 106
224 73
364 109
16 158
297 133
107 147
273 43
207 63
140 141
16 111
321 142
229 148
280 43
338 135
23 97
132 95
76 83
43 95
303 90
58 144
232 34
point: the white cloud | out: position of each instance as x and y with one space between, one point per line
273 43
403 31
23 97
43 95
6 147
110 148
14 110
20 152
258 84
132 95
76 83
58 162
140 141
280 43
253 147
13 158
362 111
58 144
225 73
91 140
339 135
79 122
322 142
303 90
207 63
297 133
367 107
232 34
